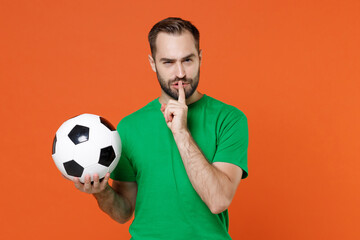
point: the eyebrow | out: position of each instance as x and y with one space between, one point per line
171 60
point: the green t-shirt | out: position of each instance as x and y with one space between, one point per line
167 206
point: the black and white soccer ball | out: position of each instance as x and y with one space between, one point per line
86 144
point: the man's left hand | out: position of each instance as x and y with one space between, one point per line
175 112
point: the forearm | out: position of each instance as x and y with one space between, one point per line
210 183
113 204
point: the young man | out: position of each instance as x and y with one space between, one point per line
183 154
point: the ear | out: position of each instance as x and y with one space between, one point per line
152 62
200 56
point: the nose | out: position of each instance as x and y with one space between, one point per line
180 71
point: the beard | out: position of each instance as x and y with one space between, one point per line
174 93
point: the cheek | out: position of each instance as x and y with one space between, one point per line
193 71
164 73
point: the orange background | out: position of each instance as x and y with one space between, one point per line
291 66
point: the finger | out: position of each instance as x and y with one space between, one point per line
77 182
96 182
87 184
181 98
163 106
164 113
168 114
105 180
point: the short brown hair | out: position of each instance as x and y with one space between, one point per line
172 25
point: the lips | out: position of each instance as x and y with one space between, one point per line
176 85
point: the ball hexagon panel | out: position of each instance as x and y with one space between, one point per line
116 143
91 170
65 128
89 120
102 135
64 151
86 154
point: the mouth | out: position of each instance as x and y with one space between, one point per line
176 84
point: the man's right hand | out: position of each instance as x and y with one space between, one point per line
118 200
92 188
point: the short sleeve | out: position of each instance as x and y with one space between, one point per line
232 141
124 170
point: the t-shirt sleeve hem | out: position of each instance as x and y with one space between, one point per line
123 178
244 168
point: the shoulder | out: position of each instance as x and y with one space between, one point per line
139 116
224 110
134 124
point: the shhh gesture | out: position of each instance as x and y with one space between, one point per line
175 112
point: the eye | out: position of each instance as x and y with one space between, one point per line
188 60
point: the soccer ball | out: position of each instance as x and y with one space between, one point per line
86 144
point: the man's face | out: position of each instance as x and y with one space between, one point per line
177 59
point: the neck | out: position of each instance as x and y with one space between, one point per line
164 98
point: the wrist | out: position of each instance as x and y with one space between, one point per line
103 193
181 134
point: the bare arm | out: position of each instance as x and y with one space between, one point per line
117 201
215 183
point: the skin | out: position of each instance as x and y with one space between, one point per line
215 183
176 61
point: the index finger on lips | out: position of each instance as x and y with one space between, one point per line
181 98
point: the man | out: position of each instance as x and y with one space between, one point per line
183 154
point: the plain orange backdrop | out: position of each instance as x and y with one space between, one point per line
293 67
